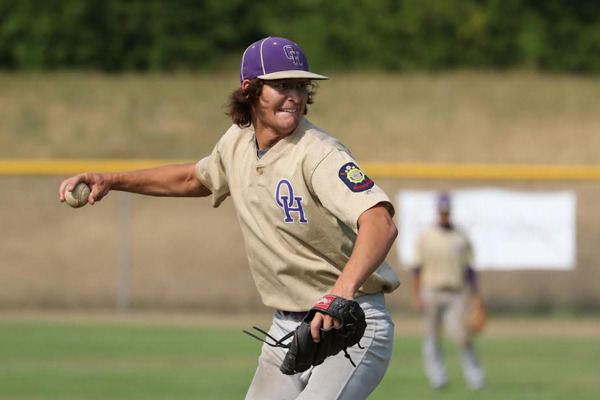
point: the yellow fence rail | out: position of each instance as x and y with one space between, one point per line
41 167
484 171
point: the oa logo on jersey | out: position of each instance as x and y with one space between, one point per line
284 194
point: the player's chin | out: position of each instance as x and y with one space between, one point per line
288 123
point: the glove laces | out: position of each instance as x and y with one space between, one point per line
276 342
347 355
279 342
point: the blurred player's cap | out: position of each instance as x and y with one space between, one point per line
443 202
275 58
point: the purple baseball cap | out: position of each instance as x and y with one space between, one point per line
275 58
443 202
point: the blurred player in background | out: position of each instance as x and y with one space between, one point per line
444 284
313 222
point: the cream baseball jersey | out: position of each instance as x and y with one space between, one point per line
298 207
443 256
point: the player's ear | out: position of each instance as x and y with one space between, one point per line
245 85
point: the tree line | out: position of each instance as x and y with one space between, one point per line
394 35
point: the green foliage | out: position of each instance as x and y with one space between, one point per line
112 35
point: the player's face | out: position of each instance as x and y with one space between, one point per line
444 217
281 105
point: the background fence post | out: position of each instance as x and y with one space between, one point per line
124 252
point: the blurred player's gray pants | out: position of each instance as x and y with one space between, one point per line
448 307
336 378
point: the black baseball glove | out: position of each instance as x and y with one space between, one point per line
304 352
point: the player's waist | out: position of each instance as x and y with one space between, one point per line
292 315
366 301
446 288
443 282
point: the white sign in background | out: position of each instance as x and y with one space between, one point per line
508 229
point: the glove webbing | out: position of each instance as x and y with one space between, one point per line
279 343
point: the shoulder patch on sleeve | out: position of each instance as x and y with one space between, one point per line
354 178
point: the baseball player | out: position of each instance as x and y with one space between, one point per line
313 222
442 280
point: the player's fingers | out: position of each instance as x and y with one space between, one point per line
337 324
67 186
315 327
98 188
61 190
93 197
327 322
96 194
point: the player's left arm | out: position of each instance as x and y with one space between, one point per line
477 305
376 234
470 275
471 279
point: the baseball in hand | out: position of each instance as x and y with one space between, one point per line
79 196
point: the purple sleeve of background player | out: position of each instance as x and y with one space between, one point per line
471 278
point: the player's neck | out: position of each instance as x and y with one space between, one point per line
269 130
448 226
267 137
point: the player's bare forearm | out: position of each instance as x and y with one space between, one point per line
376 234
178 180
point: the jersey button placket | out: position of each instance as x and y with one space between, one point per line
260 175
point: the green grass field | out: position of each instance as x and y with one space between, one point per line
69 360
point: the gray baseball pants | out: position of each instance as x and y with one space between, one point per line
448 308
336 378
